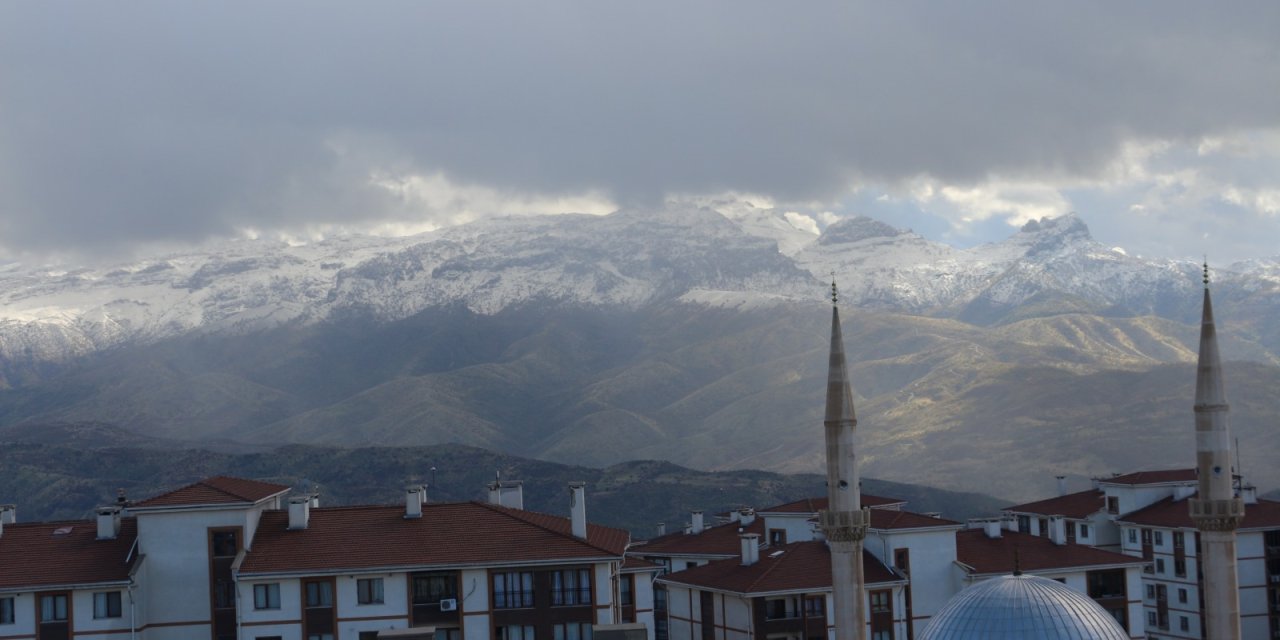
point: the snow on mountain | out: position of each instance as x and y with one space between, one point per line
629 258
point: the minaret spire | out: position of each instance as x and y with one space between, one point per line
1216 510
844 522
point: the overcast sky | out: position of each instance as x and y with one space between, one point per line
125 126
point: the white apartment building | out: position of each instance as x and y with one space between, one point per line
226 558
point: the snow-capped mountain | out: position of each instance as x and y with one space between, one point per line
629 258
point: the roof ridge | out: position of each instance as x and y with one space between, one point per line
518 514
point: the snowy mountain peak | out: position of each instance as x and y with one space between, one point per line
857 228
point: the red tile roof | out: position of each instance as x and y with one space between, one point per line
463 533
1153 477
46 554
885 519
1073 505
1034 553
215 490
720 540
801 566
1176 514
814 505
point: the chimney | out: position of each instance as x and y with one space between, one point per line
315 500
1058 530
992 528
746 516
750 548
688 528
578 509
413 499
508 493
1249 494
662 529
108 522
299 512
1062 485
1010 523
8 514
697 522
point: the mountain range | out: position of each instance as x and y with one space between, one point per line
681 334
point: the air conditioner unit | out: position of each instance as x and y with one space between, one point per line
449 604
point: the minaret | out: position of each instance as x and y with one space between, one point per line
1216 511
844 522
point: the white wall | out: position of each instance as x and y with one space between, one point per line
176 545
473 599
679 605
798 528
933 554
602 576
290 603
24 615
82 601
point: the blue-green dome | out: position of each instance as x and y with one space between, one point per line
1022 607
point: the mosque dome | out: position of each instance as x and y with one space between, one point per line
1022 606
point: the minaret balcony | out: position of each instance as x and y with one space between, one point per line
1216 515
845 526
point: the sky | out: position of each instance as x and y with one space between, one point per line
127 127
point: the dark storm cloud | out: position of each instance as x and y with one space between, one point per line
127 123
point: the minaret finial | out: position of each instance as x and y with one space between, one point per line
1206 271
835 294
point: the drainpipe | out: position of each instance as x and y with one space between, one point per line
133 613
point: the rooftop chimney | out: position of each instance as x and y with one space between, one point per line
697 522
1057 530
8 514
508 493
299 512
992 528
413 499
1249 494
578 509
746 516
315 499
662 529
1062 485
750 548
108 522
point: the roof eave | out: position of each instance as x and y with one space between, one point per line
406 568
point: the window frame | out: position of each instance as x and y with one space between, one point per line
370 591
519 596
55 598
8 614
106 607
571 588
270 592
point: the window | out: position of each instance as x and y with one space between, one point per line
1106 583
1133 536
690 565
266 596
1084 531
571 587
777 609
1183 623
572 631
448 634
1180 567
1024 524
106 604
1179 540
1159 536
6 610
319 594
1182 597
815 606
625 597
1113 504
368 635
225 544
881 635
777 536
515 632
53 608
320 636
369 591
431 588
1151 619
513 590
1151 592
1159 565
880 602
